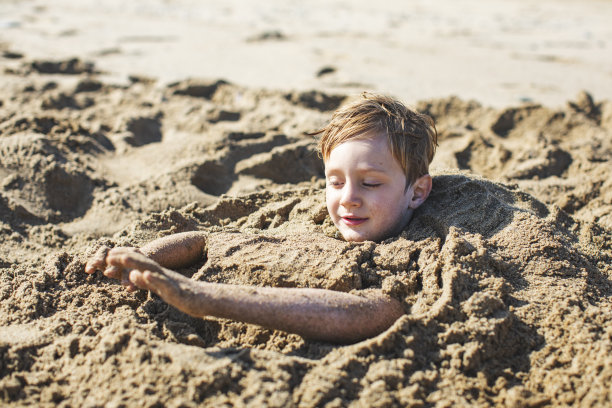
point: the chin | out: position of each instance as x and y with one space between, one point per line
354 236
360 236
355 239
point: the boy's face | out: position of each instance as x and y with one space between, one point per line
366 190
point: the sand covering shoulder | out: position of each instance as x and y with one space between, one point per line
507 297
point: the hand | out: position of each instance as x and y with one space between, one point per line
145 273
100 262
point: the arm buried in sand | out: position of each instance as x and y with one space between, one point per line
312 313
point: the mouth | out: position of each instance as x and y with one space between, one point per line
352 220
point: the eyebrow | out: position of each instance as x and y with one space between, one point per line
367 169
371 169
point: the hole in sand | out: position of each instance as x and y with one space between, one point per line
212 178
67 192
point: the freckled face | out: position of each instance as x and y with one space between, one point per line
366 190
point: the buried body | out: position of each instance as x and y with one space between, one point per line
376 153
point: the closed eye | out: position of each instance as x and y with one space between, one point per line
372 185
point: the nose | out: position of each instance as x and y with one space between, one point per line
350 196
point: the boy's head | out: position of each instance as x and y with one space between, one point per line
377 154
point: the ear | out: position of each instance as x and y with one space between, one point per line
420 190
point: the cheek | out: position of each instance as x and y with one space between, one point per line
331 199
391 205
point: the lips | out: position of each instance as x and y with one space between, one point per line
352 221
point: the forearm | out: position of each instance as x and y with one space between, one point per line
177 250
312 313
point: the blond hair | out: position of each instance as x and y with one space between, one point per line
412 136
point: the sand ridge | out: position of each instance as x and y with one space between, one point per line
504 274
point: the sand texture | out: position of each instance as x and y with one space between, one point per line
504 273
505 283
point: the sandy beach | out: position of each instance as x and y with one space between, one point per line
121 123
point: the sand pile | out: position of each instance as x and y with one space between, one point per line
506 279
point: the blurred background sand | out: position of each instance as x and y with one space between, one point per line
500 52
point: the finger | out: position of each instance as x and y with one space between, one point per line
137 278
98 261
113 272
125 278
132 260
157 282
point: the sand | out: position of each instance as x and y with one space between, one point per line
504 273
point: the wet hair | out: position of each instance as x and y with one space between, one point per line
412 136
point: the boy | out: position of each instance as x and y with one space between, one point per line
376 154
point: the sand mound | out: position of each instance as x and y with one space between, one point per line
560 156
507 296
